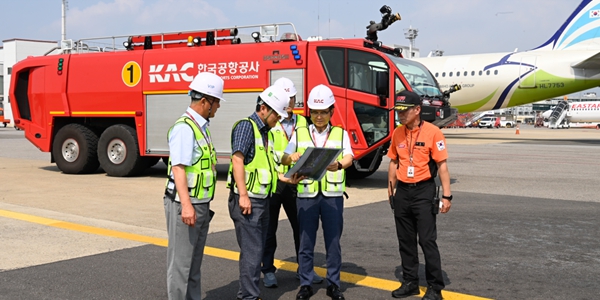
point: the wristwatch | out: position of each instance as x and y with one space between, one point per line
339 165
449 198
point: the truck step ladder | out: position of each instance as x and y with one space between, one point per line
558 114
477 117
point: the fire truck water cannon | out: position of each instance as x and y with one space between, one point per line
453 88
387 19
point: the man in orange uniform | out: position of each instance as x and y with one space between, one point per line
417 154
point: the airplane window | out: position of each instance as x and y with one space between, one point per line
480 72
472 73
444 74
487 72
450 74
436 74
457 74
495 72
465 74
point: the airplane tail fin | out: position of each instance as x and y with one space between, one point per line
581 31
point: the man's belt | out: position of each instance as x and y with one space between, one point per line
415 184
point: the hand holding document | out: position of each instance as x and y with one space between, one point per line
314 162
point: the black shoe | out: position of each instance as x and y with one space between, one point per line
305 292
407 289
334 292
432 294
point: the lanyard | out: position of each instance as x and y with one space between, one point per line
205 132
288 137
411 148
315 139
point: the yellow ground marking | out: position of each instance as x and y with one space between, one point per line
357 279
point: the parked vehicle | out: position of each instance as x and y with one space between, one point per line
2 119
489 122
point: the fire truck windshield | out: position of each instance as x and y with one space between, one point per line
419 77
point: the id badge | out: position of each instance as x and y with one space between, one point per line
410 172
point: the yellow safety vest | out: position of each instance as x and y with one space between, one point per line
333 184
261 176
202 174
278 141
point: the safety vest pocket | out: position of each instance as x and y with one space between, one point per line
336 177
208 179
264 177
192 180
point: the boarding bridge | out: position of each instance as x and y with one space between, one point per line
557 117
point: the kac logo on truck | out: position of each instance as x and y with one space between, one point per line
157 74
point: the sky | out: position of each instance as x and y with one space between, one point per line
454 26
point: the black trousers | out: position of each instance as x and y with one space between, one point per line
285 196
414 218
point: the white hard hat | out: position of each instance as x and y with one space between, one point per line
287 85
276 97
208 84
320 97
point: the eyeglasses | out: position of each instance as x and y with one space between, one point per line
211 100
318 113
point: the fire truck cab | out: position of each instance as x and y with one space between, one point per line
100 104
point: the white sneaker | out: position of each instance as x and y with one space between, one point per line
270 280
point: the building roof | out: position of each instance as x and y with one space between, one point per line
29 40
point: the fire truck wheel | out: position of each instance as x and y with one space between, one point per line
151 161
352 173
118 152
4 125
74 149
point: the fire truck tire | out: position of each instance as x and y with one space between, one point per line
118 152
151 161
74 149
4 125
352 173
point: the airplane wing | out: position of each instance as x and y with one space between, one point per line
591 63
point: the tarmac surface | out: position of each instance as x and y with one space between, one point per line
523 225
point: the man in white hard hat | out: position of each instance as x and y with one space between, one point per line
187 202
322 199
285 194
252 179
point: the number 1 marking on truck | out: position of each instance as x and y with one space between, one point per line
131 73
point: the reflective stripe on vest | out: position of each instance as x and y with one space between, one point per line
202 174
333 184
261 176
278 141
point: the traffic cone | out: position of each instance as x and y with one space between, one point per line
518 132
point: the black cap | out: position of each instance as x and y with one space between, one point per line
406 99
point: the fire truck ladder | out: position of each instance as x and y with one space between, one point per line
558 114
194 38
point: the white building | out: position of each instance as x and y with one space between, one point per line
11 52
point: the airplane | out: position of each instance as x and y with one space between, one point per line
568 62
580 112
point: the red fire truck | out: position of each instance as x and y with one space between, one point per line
100 104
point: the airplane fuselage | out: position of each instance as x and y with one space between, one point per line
500 80
584 112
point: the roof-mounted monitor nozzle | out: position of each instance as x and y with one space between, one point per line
387 19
